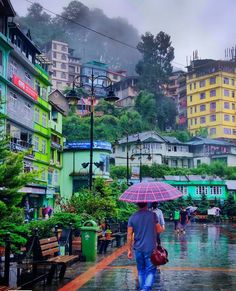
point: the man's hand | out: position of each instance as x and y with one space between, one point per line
130 255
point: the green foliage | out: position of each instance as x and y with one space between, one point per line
203 205
189 200
230 206
118 172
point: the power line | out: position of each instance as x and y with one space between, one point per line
94 31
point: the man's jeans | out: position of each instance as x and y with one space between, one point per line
146 270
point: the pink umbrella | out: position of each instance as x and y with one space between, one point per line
150 192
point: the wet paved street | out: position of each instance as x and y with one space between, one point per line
203 259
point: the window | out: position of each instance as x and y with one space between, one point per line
226 105
50 175
226 92
27 78
27 109
190 86
200 190
226 80
191 110
55 55
58 158
233 82
44 119
213 93
13 68
213 117
54 63
54 73
55 177
36 143
13 100
194 85
233 118
233 94
63 75
44 146
212 131
63 57
37 87
202 119
216 190
195 109
233 106
36 115
44 93
182 189
55 46
191 122
202 95
226 117
63 48
202 83
174 163
43 175
191 98
202 107
227 130
212 80
195 120
63 66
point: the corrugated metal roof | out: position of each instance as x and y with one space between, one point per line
147 136
231 184
201 141
172 140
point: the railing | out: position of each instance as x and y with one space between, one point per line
56 145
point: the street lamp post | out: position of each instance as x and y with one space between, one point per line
139 145
72 94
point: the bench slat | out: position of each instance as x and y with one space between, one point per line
49 246
50 252
48 240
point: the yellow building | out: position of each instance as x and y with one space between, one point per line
211 99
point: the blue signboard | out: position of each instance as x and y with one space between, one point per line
85 145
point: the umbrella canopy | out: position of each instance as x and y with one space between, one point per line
191 208
150 192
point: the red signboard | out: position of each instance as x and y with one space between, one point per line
25 87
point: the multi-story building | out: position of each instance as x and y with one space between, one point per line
126 89
171 152
153 149
25 85
58 53
74 64
211 98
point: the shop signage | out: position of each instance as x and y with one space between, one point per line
33 190
102 145
25 87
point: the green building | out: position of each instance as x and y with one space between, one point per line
74 175
196 186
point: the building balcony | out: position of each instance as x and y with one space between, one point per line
17 145
56 145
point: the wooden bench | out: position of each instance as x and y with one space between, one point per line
49 248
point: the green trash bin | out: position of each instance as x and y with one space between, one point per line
89 240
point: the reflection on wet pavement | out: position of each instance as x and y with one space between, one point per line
202 259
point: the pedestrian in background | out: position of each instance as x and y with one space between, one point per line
183 218
160 218
176 217
142 230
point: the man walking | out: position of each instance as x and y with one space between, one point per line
143 225
183 218
176 219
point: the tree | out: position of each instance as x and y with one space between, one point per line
203 205
12 179
166 113
155 66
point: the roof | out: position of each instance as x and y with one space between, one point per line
201 141
192 178
176 178
231 184
6 8
172 140
147 136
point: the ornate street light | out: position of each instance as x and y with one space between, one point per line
74 97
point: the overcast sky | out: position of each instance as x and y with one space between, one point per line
208 26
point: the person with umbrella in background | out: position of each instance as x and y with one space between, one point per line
143 226
160 218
